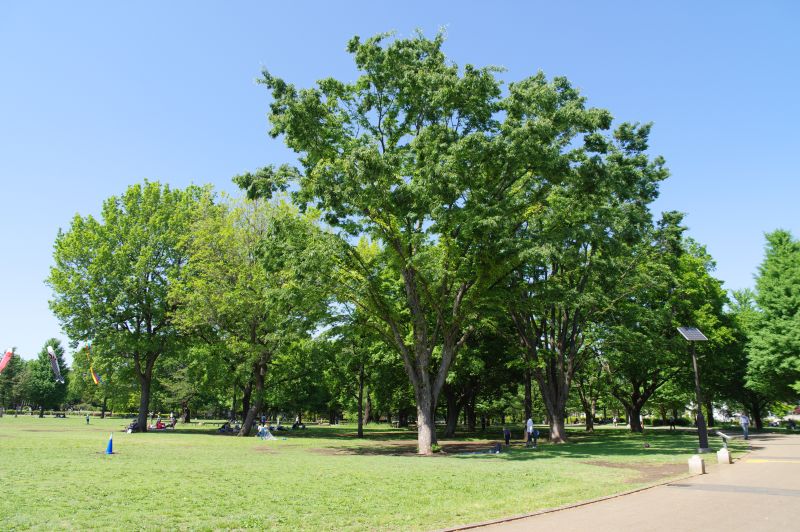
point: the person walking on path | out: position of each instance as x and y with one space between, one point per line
744 421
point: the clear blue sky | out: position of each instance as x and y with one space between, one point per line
95 96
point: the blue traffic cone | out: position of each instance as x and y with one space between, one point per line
109 449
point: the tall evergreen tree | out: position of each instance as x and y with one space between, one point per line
774 348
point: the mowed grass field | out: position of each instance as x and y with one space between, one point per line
54 475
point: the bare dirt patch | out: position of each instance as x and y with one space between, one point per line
645 473
405 448
264 450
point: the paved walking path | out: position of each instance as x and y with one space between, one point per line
760 492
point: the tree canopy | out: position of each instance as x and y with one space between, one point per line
446 244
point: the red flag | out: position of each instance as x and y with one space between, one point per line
6 358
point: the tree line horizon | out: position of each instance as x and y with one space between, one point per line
444 246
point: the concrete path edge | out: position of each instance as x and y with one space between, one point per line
508 519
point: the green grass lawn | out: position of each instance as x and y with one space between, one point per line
54 474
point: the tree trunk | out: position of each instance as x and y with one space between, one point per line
710 414
452 411
144 402
368 410
247 395
41 411
471 417
402 418
555 398
233 415
103 408
434 439
426 428
186 414
361 401
634 418
259 371
528 395
755 412
589 420
558 433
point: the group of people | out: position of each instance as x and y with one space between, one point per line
263 432
264 429
229 427
159 423
531 434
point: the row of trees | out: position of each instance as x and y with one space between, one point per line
31 382
445 246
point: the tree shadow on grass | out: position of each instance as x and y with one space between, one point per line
613 446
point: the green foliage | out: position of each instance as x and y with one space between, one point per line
41 388
440 170
674 287
112 276
10 381
257 283
774 347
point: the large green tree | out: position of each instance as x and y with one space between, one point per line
733 382
257 281
641 347
774 347
9 381
440 169
579 261
42 388
111 278
352 349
